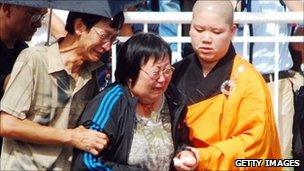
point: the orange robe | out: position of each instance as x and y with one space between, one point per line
239 125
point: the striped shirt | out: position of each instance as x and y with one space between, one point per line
41 90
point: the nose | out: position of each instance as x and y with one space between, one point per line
206 37
161 77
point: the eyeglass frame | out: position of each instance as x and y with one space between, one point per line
163 72
36 17
103 37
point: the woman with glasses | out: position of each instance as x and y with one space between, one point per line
141 113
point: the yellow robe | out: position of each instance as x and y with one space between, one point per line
238 125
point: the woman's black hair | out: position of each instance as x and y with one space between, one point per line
90 20
136 52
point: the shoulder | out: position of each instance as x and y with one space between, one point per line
183 62
104 103
36 53
247 77
109 97
181 67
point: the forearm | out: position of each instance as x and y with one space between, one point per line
295 5
57 29
26 130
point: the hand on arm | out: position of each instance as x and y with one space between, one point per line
87 140
26 130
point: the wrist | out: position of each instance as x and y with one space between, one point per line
67 137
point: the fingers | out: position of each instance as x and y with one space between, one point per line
89 140
91 150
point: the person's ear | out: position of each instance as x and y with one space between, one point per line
233 30
191 29
7 8
79 26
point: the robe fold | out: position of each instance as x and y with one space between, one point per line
235 120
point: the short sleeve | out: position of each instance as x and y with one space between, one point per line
17 96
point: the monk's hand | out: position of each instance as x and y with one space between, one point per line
87 140
186 160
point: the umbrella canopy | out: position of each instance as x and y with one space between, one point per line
105 8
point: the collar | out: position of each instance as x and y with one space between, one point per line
196 86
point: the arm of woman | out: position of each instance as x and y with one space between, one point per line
103 114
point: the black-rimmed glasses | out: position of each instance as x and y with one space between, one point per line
34 17
104 38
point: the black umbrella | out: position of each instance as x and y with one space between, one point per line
105 8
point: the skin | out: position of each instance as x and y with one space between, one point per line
84 45
211 31
148 91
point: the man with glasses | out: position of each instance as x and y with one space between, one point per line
17 25
47 92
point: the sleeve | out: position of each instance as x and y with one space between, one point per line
2 78
17 97
248 128
183 133
100 115
86 161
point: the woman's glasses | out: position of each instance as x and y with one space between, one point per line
155 75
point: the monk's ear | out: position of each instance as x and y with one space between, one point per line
233 29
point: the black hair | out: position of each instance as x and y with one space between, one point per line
135 52
90 20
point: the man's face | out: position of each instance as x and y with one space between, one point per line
97 41
210 36
25 21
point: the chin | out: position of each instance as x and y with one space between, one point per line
94 58
27 38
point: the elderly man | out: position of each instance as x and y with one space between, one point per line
47 92
229 106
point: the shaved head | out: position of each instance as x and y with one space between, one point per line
222 8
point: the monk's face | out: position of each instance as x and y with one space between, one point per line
211 35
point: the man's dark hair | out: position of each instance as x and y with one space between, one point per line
135 52
90 20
